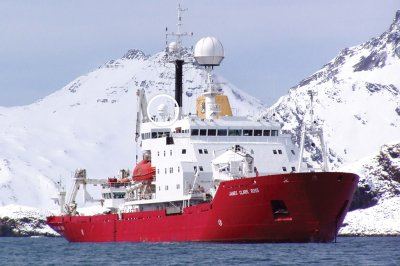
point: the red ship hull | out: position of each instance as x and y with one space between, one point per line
244 210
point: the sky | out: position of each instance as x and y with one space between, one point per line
270 45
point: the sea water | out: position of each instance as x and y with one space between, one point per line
57 251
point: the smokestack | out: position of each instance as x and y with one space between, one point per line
178 81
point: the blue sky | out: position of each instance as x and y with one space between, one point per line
270 45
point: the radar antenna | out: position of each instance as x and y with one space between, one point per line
174 53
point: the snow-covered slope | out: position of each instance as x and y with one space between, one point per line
357 103
90 123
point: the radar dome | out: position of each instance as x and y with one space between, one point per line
209 52
162 110
172 47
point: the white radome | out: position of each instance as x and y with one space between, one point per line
162 110
172 47
209 52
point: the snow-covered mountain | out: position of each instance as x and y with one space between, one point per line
357 103
90 123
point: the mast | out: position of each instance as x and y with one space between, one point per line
314 130
174 52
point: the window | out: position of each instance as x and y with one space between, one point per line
274 151
280 151
292 152
165 170
222 132
274 133
203 132
158 171
183 151
195 132
293 169
170 152
166 187
171 170
201 168
153 135
159 188
257 132
164 153
212 132
195 168
158 153
284 169
200 151
205 151
234 132
247 132
267 133
179 169
178 186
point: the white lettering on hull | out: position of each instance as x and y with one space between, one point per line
244 192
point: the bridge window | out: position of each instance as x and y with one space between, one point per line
267 133
222 132
153 135
234 132
195 132
274 133
212 132
203 132
257 132
247 132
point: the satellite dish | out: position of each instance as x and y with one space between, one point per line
209 52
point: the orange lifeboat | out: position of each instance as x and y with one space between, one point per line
144 171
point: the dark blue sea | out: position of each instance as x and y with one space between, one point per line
56 251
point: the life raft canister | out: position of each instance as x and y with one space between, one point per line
144 171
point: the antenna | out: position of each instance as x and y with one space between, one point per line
174 48
174 52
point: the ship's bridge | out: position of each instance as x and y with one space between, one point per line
224 129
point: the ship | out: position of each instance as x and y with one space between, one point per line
210 175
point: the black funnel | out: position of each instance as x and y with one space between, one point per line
178 81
